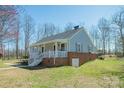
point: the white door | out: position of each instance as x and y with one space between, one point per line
75 62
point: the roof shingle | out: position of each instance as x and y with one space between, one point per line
63 35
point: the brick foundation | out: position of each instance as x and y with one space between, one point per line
55 62
83 57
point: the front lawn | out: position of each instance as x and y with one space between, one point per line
2 64
98 73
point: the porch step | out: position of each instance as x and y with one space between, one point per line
35 61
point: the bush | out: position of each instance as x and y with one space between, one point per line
110 55
25 57
101 57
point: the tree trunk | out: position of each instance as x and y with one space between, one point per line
122 38
17 40
8 50
17 48
104 43
123 49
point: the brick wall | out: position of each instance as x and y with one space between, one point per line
83 57
55 62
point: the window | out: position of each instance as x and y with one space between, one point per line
89 48
62 47
78 47
54 47
42 49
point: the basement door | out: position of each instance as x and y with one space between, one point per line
75 62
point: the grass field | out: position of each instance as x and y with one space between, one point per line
4 62
98 73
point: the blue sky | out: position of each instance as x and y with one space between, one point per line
61 15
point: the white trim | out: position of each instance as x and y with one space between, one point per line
57 40
44 47
68 45
60 46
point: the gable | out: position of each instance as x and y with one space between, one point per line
83 38
83 34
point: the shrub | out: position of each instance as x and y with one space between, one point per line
101 57
25 57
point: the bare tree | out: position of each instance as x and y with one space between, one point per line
39 32
103 26
47 29
28 32
96 36
69 26
8 23
17 39
118 20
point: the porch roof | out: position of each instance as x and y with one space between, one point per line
60 36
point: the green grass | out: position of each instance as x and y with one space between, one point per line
98 73
2 64
101 67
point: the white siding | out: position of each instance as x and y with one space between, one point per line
82 38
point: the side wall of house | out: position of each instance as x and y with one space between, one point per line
83 39
83 57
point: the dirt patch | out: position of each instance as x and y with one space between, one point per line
109 82
79 82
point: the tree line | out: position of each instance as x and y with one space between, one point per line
18 30
108 35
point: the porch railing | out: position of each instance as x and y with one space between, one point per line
51 54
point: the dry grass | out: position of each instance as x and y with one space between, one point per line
107 73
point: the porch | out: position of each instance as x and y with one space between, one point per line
50 49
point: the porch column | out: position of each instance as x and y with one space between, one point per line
44 47
56 49
36 48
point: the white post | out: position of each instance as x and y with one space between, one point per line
37 48
68 45
49 53
44 47
56 49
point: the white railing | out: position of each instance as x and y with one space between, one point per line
36 57
51 54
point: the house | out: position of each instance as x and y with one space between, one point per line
67 48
